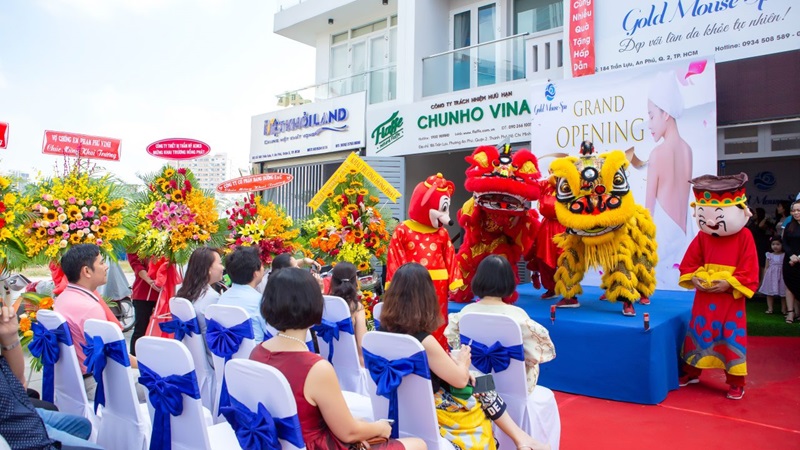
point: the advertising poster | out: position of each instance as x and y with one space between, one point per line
312 129
629 33
663 116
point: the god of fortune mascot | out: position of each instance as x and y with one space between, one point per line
423 239
605 229
497 219
721 263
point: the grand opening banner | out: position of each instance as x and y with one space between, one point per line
634 32
663 116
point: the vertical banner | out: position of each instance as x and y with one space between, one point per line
581 37
3 135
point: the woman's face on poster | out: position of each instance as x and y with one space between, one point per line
657 122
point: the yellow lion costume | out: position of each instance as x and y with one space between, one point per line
605 229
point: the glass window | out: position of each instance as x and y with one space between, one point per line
785 136
393 21
366 29
531 16
338 38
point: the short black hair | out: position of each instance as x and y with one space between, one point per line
494 278
292 300
78 257
242 263
281 261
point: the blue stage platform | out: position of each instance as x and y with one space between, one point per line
601 353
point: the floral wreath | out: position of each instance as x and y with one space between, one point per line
253 223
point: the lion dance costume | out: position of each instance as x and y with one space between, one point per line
605 229
423 239
497 219
544 260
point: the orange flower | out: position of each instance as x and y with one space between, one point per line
362 266
24 324
358 234
46 303
41 232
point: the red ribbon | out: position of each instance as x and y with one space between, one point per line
166 276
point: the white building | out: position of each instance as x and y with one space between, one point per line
210 170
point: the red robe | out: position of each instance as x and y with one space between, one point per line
431 247
717 335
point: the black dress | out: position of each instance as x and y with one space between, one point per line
791 246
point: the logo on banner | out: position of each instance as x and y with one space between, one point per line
324 121
764 181
550 92
3 135
388 132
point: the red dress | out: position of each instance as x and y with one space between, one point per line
295 367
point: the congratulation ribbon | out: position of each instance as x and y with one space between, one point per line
494 358
166 396
44 345
97 352
180 328
329 331
259 430
224 342
388 375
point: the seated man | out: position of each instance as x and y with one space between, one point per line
244 268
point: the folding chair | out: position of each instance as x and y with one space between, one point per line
337 343
183 310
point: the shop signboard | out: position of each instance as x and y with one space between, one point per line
454 121
72 144
178 148
630 33
255 183
662 116
326 126
3 135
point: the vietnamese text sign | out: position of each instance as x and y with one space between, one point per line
458 120
634 32
178 148
3 135
359 165
254 183
311 129
663 116
581 37
71 144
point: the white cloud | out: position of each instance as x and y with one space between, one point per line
102 9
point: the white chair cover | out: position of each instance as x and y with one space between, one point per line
352 377
536 413
416 413
124 425
251 383
227 316
69 390
272 332
376 313
189 430
196 344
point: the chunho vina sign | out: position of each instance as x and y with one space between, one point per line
252 183
178 148
71 144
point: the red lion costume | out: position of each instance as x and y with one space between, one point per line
543 261
497 219
424 240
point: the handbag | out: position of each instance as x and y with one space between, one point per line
365 445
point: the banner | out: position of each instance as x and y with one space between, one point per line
3 135
178 148
581 37
71 144
359 165
663 117
454 121
629 33
255 183
311 129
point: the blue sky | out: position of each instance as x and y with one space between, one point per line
140 71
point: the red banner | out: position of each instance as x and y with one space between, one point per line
178 148
253 183
581 37
3 135
71 144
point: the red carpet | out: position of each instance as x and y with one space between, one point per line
699 416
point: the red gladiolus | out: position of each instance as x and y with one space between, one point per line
173 184
359 199
2 223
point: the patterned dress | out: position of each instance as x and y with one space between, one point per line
773 277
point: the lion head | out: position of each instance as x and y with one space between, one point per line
502 182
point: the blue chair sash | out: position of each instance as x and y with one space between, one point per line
494 358
166 396
97 353
259 430
328 331
180 328
388 375
44 346
225 342
377 324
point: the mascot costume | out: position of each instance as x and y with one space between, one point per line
721 263
544 260
605 229
497 219
423 239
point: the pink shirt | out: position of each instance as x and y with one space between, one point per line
78 304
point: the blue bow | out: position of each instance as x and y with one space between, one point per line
495 358
377 324
97 352
259 430
224 342
388 375
44 345
329 331
166 396
180 328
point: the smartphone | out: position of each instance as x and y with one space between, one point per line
388 420
483 383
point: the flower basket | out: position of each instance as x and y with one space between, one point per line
253 223
12 249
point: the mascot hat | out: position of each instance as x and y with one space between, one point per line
725 190
426 196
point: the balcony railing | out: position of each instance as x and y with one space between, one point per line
380 84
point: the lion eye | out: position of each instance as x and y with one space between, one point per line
563 191
620 182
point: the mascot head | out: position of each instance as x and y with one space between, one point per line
430 202
720 203
592 192
502 182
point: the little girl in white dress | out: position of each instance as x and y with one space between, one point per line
772 286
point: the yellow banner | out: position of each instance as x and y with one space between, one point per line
358 164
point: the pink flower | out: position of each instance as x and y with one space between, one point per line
60 210
56 202
72 226
51 241
72 200
99 242
88 201
90 214
104 218
51 232
96 222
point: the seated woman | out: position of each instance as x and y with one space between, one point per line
410 306
344 284
286 260
494 280
204 269
294 303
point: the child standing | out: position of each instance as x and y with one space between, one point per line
773 285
